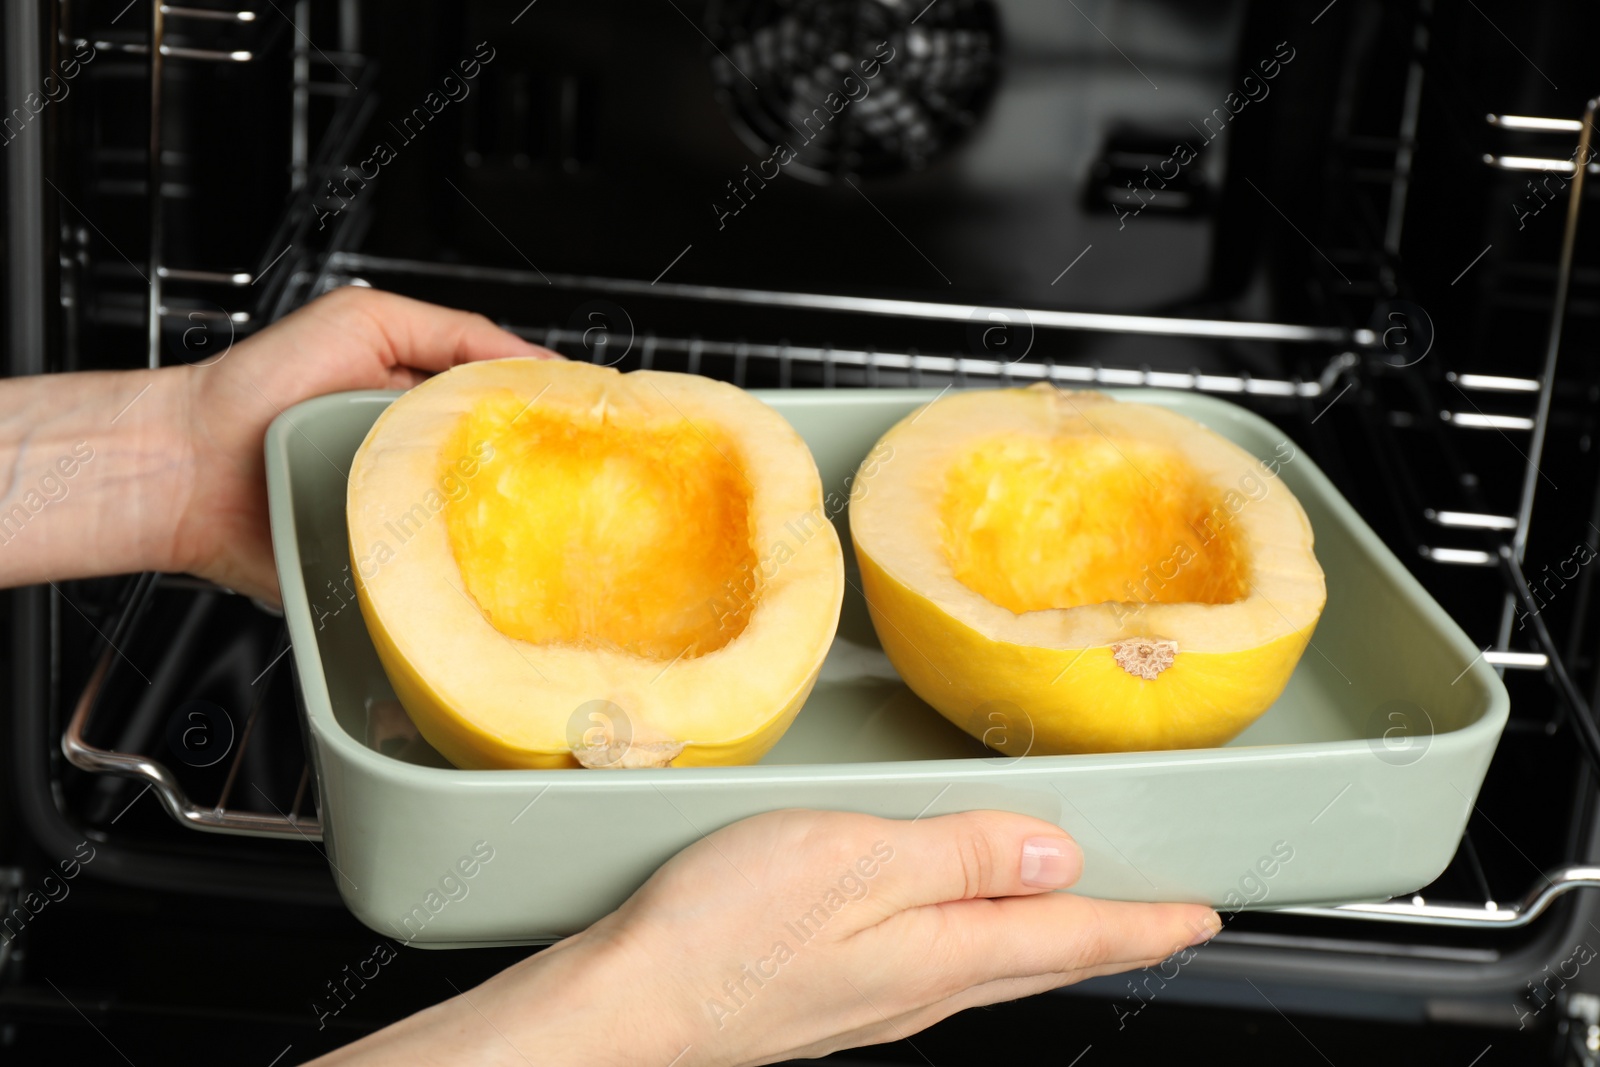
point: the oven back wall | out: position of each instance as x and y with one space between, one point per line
969 156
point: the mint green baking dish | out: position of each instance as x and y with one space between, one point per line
1355 786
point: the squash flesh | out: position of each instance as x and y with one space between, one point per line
584 530
1034 523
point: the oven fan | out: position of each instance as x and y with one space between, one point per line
778 61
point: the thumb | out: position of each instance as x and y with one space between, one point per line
403 333
976 854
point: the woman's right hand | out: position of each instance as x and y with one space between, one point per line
794 934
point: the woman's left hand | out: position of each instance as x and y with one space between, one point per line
352 338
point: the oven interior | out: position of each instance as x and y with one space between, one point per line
1377 245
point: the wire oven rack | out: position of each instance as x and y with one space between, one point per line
831 366
169 286
218 816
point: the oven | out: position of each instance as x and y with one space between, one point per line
1363 221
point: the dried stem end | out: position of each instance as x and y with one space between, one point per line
1145 657
623 754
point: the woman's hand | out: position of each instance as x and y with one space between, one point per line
795 934
113 472
352 338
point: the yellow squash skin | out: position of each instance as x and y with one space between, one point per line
466 744
1074 700
526 542
1056 677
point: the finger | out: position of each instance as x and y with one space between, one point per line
1058 933
411 333
975 854
406 377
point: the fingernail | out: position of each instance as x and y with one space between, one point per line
1050 862
1211 928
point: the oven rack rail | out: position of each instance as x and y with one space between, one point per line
873 365
355 102
1584 128
345 267
219 817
